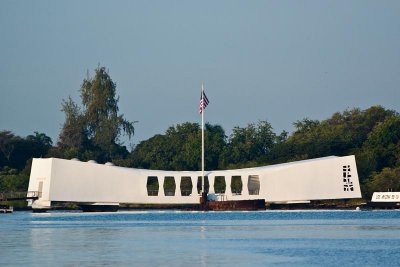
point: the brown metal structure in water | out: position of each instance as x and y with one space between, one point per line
231 205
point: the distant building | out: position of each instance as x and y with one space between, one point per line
385 200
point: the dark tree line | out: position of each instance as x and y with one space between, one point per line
16 155
93 130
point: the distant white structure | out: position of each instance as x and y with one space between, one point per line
385 200
90 183
386 197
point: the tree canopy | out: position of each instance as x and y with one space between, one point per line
180 148
15 151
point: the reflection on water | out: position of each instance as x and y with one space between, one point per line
200 239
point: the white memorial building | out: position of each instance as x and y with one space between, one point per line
86 183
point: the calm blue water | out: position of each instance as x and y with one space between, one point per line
170 238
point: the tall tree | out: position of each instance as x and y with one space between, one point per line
98 127
100 104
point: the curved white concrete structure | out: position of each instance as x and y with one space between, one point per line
86 182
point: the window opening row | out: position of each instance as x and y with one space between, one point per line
186 185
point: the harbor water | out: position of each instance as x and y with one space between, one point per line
177 238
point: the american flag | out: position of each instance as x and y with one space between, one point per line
203 101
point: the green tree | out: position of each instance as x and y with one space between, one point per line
73 136
177 149
305 126
40 144
214 144
383 144
185 143
180 148
12 181
250 146
16 151
240 148
386 180
342 134
95 130
100 104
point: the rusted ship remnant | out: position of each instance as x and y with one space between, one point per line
231 205
99 207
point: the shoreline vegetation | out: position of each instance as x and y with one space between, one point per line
92 131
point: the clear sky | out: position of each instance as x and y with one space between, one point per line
279 61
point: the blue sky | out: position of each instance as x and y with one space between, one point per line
279 61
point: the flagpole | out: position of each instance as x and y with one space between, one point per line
202 140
